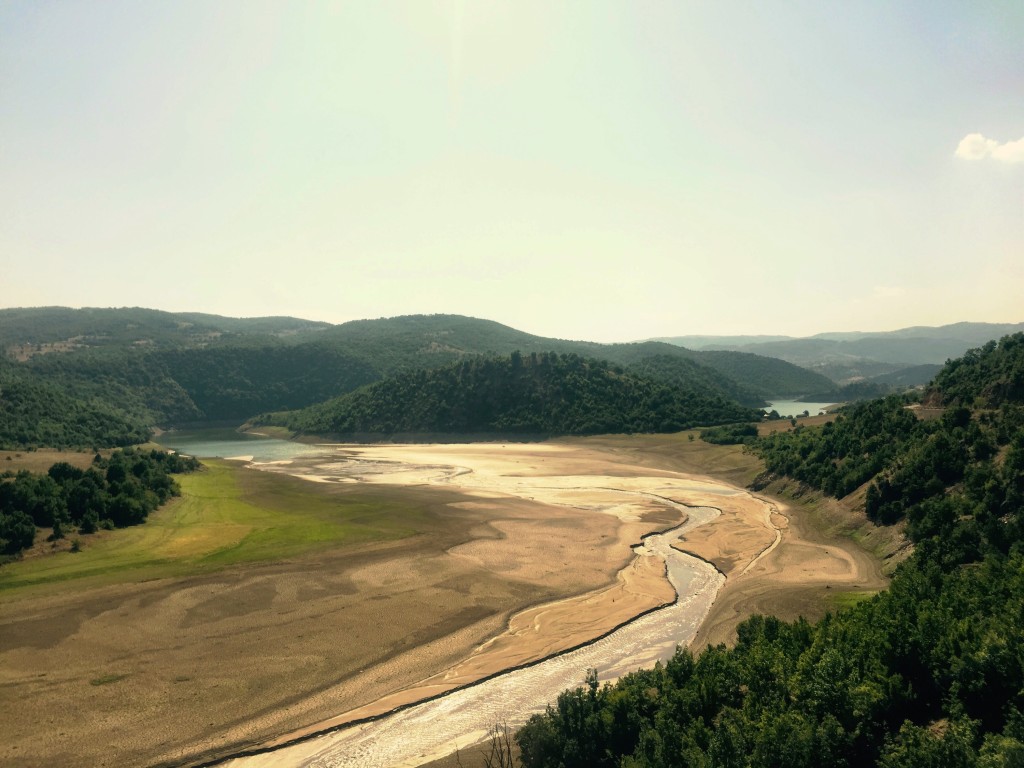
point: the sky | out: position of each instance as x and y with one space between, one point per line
596 170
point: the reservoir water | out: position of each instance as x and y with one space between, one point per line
789 408
227 444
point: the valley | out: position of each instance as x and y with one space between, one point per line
475 558
414 534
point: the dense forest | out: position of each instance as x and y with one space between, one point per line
112 493
523 394
112 374
35 411
927 673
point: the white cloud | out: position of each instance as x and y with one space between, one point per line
974 146
1010 152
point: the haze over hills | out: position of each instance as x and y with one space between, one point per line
909 355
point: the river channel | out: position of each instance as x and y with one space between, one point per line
459 719
464 717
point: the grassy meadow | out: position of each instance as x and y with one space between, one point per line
226 515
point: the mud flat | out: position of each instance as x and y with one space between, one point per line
514 553
745 532
439 726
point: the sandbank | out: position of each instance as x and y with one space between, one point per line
525 550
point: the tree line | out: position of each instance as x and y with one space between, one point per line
928 673
113 492
523 394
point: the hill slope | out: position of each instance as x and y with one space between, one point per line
160 368
928 673
846 357
403 343
544 393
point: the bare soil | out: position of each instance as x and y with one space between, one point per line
179 670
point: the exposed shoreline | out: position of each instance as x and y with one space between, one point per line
532 540
732 545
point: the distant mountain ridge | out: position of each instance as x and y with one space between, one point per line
161 368
978 333
22 328
855 356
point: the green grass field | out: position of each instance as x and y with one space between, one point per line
850 599
225 516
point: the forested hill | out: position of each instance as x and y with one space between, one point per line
927 673
396 344
39 330
905 354
137 368
523 394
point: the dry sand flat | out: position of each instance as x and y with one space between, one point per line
561 477
528 552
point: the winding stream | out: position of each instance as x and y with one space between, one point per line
464 717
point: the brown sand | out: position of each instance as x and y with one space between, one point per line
214 663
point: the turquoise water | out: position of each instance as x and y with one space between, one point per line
227 443
787 408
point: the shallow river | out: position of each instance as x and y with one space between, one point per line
464 717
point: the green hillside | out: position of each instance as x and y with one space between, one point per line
403 343
34 412
159 368
766 376
38 327
927 673
523 394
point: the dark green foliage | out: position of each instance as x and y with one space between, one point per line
687 373
137 368
35 412
138 383
17 531
428 341
731 434
91 327
842 455
522 394
987 377
928 673
848 393
235 382
114 492
767 377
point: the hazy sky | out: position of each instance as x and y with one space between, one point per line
598 170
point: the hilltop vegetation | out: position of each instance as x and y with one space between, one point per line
33 331
928 673
112 374
35 411
535 394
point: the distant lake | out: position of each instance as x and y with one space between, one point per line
789 408
227 443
